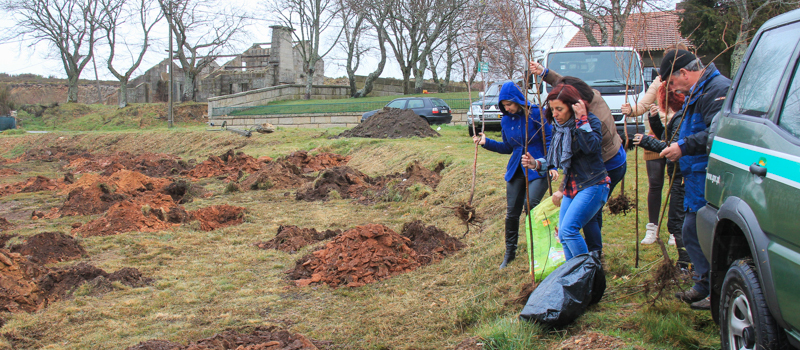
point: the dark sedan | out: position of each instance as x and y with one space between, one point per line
434 110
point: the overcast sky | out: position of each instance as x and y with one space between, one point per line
19 57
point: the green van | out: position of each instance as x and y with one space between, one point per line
750 228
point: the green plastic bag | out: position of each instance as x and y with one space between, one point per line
547 253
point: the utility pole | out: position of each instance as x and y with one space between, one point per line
171 78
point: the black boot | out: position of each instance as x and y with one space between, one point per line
512 235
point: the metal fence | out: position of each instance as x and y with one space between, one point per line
334 107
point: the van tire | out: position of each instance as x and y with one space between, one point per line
743 305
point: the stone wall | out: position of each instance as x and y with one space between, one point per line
263 96
317 120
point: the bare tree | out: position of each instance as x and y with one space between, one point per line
310 19
202 29
603 15
116 14
748 15
377 13
69 26
354 26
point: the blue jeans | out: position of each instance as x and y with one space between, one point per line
699 261
594 239
575 213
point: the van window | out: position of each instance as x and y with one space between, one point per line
764 70
790 113
397 104
598 68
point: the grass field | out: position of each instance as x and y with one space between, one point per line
206 282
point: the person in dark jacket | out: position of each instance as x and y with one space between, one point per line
705 89
518 131
575 148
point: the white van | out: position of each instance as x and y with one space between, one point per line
605 69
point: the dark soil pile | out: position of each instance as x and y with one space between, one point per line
218 216
226 164
291 238
308 163
348 182
183 192
392 123
50 247
260 338
5 224
55 154
4 238
29 287
8 172
33 184
150 164
430 243
275 175
351 183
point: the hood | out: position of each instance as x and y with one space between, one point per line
512 92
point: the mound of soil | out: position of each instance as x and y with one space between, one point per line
33 184
316 163
392 123
54 154
226 164
260 338
5 224
218 216
183 192
358 256
94 194
150 164
5 238
275 175
50 247
430 243
28 286
291 238
348 182
125 216
8 172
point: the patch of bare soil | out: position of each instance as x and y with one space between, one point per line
55 154
218 216
260 338
125 216
33 184
474 343
4 238
28 286
275 175
351 183
308 163
150 164
370 253
183 191
291 238
50 247
227 164
5 225
392 123
8 172
591 341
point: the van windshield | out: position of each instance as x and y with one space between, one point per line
494 90
598 68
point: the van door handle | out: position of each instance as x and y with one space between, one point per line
758 170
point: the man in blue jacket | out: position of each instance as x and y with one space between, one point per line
705 89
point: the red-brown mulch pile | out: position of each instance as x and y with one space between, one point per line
260 338
33 184
308 163
123 217
291 238
29 287
150 164
218 216
94 194
50 247
8 171
229 163
372 252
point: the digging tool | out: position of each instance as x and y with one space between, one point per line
245 133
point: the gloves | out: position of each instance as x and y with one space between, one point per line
652 144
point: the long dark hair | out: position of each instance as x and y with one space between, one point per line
564 93
586 92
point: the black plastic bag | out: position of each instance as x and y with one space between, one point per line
566 293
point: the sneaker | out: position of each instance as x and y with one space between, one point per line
650 234
671 240
690 295
704 304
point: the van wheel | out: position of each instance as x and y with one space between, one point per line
745 320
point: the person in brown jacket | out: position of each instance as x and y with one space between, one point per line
612 149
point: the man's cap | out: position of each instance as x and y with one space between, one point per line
673 61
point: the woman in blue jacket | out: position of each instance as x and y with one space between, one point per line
516 127
575 148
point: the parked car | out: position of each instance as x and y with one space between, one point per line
434 110
749 230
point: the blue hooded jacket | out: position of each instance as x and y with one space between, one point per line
514 132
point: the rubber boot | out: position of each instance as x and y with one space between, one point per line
512 235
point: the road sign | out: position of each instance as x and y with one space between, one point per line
483 66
